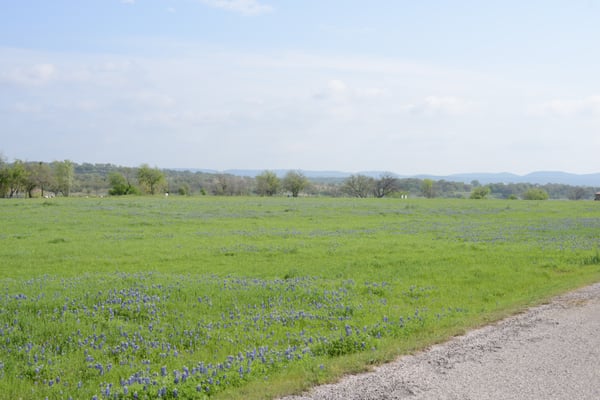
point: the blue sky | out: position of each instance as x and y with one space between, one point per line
403 86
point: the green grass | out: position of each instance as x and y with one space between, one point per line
259 297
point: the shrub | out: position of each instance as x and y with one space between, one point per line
535 194
480 192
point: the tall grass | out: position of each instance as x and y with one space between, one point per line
257 297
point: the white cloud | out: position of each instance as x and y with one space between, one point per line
342 102
337 86
245 7
336 90
440 105
115 73
379 113
86 105
38 74
26 108
148 98
568 108
339 90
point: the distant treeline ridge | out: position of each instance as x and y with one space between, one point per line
66 178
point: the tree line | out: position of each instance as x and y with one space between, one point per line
66 178
28 177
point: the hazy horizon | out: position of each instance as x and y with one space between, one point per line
410 88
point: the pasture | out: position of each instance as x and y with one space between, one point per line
148 297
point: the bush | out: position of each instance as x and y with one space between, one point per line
120 185
480 192
535 194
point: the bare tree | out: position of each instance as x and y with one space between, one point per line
358 185
386 185
230 185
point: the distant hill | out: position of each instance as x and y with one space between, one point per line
282 172
539 177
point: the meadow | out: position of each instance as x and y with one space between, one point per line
210 297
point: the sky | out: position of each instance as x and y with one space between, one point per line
410 87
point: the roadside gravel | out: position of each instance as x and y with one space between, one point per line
548 352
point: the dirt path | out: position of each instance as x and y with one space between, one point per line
549 352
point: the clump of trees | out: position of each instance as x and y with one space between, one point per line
365 186
228 185
24 178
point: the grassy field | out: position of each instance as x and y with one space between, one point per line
259 297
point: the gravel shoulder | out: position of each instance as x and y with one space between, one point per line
548 352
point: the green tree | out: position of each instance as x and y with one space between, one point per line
358 185
40 176
3 177
30 181
17 178
267 183
63 176
535 194
151 179
480 192
427 189
295 182
120 185
222 184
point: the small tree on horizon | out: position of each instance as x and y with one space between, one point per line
386 185
295 182
427 189
40 176
17 178
150 178
358 185
267 183
64 172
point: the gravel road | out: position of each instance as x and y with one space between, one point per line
548 352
